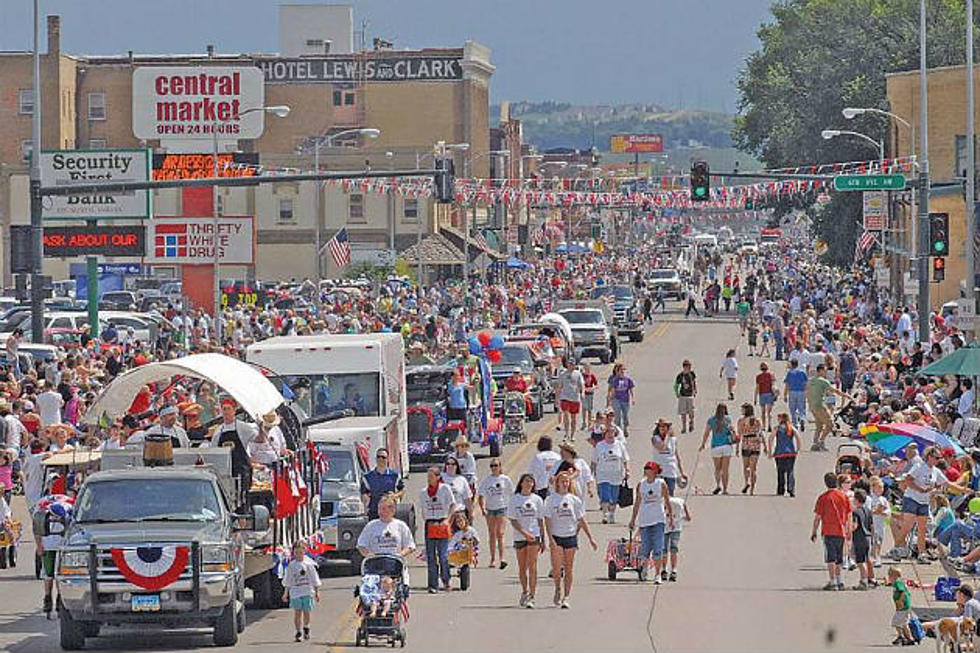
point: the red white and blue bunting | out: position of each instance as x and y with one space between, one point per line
151 567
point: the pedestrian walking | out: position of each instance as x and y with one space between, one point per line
301 584
794 394
765 395
719 428
692 304
673 535
751 444
493 495
665 454
570 389
686 389
610 466
651 512
589 383
621 396
526 514
543 465
784 446
729 370
437 505
565 517
832 515
660 300
817 389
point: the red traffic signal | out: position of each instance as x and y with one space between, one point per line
938 268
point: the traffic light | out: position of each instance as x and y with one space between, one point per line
749 204
595 230
445 181
700 182
938 268
938 234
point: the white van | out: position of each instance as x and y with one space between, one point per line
327 373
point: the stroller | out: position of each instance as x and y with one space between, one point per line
623 554
389 622
515 412
849 460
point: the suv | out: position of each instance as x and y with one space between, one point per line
668 279
591 331
517 356
627 312
118 300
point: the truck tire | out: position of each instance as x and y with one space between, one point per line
262 592
240 620
71 632
226 626
277 590
495 448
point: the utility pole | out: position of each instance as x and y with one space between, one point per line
923 253
37 244
971 218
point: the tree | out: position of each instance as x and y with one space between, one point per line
819 56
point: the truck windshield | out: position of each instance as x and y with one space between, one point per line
662 274
341 466
127 500
582 317
519 356
320 394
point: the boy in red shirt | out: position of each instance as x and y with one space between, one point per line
832 513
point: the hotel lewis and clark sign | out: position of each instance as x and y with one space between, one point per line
388 68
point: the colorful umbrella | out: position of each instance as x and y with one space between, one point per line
923 435
891 445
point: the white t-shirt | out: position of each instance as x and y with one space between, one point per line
496 491
542 467
392 537
301 578
925 477
49 404
563 511
610 459
730 367
877 521
460 487
652 510
677 505
527 510
667 459
438 506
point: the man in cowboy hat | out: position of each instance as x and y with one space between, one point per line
269 444
167 425
237 434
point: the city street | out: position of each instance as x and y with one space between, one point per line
748 572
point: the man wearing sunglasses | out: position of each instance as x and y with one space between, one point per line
380 481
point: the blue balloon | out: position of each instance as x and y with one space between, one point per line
496 342
475 346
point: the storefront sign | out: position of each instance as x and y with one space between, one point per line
120 268
875 210
66 167
63 242
190 102
201 166
369 69
636 143
190 240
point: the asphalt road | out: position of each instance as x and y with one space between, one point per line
750 579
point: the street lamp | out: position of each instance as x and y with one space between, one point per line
369 132
467 164
278 110
438 149
834 133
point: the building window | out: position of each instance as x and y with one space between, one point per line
96 106
355 208
314 43
286 210
26 97
25 150
96 143
348 99
411 210
338 98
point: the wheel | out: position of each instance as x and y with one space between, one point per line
226 626
357 637
262 591
277 590
495 448
642 572
241 621
605 357
611 570
91 628
71 632
464 577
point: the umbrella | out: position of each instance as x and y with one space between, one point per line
965 361
891 445
924 436
515 263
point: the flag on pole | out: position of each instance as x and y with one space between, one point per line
339 247
864 243
480 241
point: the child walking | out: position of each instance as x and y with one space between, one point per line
673 535
903 607
302 583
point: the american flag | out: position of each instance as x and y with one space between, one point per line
864 242
480 241
339 247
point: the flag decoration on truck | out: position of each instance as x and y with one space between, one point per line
151 567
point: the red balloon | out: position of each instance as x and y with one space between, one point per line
494 355
484 337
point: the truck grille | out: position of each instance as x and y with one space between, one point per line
109 573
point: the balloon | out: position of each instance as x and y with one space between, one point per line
974 505
496 342
484 337
475 347
494 355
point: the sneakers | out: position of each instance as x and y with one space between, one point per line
840 585
830 587
523 600
673 577
657 581
663 575
557 598
433 590
299 636
565 604
529 604
862 586
306 634
605 518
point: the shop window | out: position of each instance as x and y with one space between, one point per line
410 212
355 208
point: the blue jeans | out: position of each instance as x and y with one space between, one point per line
953 536
778 339
621 411
671 484
437 560
652 541
797 406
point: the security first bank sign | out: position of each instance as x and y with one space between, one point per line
191 102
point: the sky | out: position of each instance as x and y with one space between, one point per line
676 53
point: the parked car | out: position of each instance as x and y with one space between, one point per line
118 300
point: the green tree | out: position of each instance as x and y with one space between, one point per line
819 56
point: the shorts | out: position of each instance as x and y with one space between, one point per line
673 541
566 542
496 512
749 454
900 619
652 541
767 398
570 407
608 493
724 451
833 549
685 405
822 417
912 507
304 603
47 561
861 548
671 484
521 544
455 414
587 402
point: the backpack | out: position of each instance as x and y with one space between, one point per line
915 627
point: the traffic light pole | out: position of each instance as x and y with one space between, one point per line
37 244
923 253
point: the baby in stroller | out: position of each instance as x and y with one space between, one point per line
383 595
378 594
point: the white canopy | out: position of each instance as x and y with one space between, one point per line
246 385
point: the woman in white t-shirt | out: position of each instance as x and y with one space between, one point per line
386 534
492 496
610 464
526 514
665 454
565 517
651 512
459 485
729 369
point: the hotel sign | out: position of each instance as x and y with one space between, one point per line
354 69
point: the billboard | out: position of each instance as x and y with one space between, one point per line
66 167
190 102
636 143
190 240
384 68
875 210
201 166
63 242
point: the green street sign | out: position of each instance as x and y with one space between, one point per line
869 182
